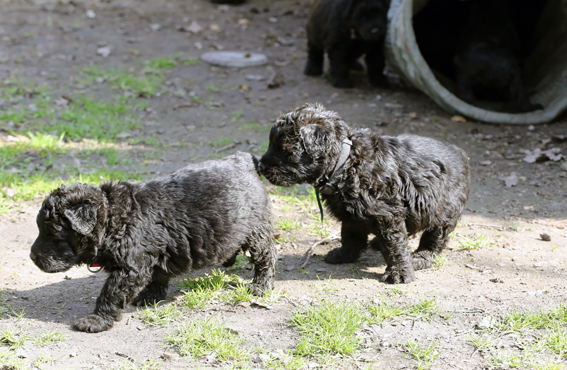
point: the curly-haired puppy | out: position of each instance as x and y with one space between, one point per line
392 187
487 64
347 29
144 233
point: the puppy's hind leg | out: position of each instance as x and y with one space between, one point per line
154 292
264 256
431 244
393 244
354 240
315 58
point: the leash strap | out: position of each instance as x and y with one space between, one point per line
319 203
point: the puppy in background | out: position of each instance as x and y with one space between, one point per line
144 233
346 30
487 63
391 187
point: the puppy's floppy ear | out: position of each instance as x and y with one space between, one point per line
316 139
82 218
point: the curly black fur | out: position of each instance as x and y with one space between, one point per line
391 187
487 63
144 233
347 29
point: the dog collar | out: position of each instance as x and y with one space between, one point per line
95 265
327 189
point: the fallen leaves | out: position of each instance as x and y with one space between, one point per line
538 155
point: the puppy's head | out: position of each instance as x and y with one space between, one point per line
304 145
369 18
70 224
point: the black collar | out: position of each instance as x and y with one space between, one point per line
324 187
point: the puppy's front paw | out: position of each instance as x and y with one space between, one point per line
341 255
92 324
399 274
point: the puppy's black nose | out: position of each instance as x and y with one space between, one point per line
33 256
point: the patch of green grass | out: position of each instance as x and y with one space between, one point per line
286 224
95 119
329 328
159 64
253 125
46 338
157 315
198 338
142 84
426 308
381 309
506 360
12 338
190 62
283 360
44 359
127 364
556 340
241 261
547 366
520 321
236 115
213 88
220 142
18 188
9 361
481 342
474 242
201 290
423 355
439 261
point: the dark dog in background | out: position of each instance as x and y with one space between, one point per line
487 62
345 30
392 187
144 233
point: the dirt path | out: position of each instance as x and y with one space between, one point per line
187 111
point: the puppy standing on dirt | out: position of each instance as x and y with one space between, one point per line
392 187
347 29
144 233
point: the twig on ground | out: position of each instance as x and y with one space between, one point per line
310 251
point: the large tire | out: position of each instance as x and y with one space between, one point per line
545 68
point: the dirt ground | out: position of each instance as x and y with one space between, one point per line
49 41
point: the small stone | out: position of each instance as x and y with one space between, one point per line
155 27
104 51
90 14
545 237
170 356
486 163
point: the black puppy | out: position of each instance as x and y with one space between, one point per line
144 233
392 187
487 62
347 29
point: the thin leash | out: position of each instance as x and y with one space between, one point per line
342 159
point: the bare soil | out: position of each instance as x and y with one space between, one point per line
47 41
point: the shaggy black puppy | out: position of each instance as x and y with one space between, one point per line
392 187
487 64
347 29
144 233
